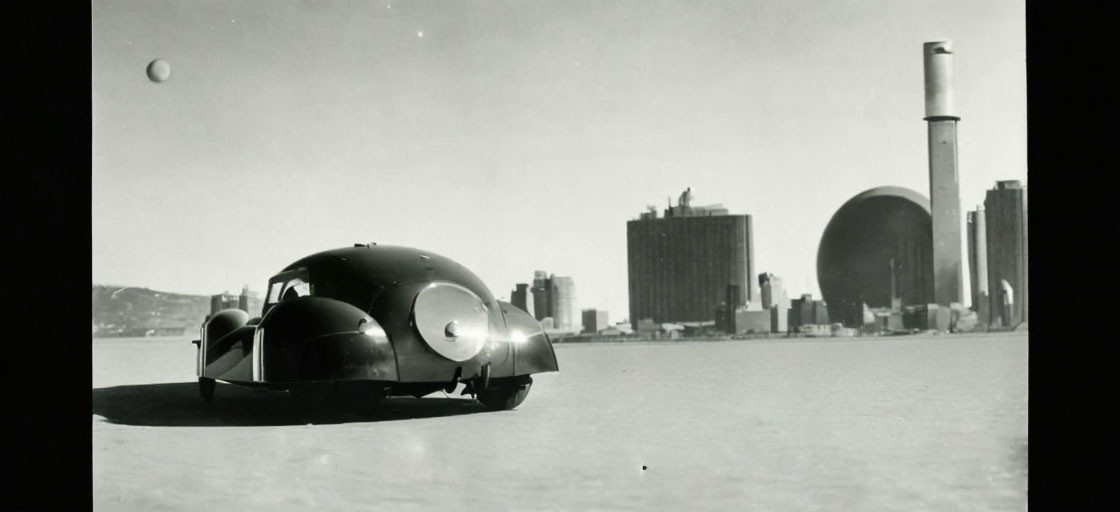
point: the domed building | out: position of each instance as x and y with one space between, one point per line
877 250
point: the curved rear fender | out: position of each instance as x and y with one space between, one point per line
318 339
532 350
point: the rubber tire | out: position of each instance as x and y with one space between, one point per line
206 387
506 394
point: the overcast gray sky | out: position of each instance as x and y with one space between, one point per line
515 136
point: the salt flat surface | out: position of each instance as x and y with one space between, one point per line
903 423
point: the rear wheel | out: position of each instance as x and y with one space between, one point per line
206 387
505 394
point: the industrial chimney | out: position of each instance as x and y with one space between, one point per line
944 183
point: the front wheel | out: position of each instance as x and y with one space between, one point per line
505 394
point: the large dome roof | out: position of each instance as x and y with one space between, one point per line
872 231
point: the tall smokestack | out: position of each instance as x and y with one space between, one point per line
944 184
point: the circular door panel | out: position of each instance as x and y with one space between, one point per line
452 320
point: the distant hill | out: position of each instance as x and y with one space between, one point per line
130 311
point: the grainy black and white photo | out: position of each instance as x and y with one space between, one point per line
563 255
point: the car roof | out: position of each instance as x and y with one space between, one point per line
387 265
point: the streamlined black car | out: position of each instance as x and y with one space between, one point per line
385 320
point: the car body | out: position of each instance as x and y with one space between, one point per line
387 320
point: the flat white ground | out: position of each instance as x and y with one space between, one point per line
902 423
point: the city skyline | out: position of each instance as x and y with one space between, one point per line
285 131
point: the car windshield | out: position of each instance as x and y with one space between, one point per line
286 286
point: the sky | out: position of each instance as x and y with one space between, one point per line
516 136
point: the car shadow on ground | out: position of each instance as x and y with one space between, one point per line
179 405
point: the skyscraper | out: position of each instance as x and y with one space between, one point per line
679 266
243 299
562 300
541 295
772 291
551 296
522 297
1005 212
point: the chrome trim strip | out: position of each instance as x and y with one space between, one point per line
258 375
200 361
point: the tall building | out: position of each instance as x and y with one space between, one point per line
552 297
522 297
978 264
944 182
1005 213
562 300
772 291
541 295
243 299
680 265
594 320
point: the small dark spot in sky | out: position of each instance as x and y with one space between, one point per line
643 468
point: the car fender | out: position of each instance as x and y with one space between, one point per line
532 350
224 343
311 339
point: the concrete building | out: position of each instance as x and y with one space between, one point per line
876 250
772 291
243 299
552 297
740 319
562 300
541 295
887 321
225 300
944 183
624 327
645 327
927 317
679 265
978 265
806 311
594 320
522 297
750 321
779 318
1005 212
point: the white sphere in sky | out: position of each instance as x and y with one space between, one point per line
159 70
